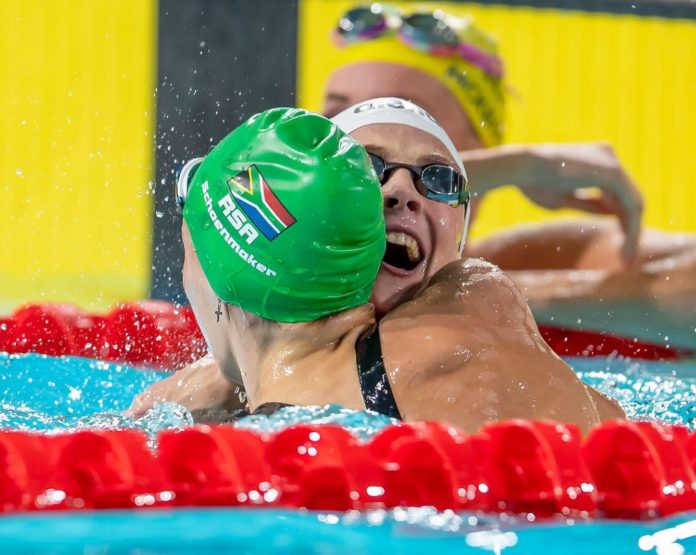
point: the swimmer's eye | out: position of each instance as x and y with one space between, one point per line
437 182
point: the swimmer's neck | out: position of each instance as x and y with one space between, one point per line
308 363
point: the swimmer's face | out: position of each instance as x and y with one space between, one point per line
355 83
422 234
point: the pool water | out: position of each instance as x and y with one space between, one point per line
52 394
657 391
416 531
56 394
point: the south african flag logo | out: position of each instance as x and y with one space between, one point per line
259 203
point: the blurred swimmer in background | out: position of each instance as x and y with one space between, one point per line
443 338
611 277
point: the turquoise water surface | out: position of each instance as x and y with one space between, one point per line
46 393
56 394
417 531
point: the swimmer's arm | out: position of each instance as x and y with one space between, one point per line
490 168
607 407
583 176
500 367
534 350
200 386
655 300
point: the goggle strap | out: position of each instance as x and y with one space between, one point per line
465 231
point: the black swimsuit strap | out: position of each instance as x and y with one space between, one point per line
374 384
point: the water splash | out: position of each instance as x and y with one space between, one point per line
658 391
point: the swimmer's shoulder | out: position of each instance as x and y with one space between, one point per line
466 273
456 350
470 287
469 305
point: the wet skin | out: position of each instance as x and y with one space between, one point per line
564 266
360 82
434 226
461 346
466 350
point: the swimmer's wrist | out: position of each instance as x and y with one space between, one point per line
491 168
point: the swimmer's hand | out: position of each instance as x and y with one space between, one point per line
198 386
582 176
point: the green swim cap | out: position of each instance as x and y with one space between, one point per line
286 217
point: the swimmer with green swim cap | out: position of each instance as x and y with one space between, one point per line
299 331
285 215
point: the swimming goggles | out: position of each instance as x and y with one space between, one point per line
437 182
184 179
427 32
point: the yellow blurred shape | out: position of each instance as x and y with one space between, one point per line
576 76
76 124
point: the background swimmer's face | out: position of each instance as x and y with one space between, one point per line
421 233
355 83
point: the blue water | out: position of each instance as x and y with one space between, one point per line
52 394
658 391
55 394
47 394
216 531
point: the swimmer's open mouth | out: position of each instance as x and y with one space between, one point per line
402 251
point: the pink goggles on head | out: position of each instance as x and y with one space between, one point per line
427 32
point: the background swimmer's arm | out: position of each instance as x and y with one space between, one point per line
200 386
653 301
582 176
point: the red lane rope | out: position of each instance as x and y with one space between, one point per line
570 342
620 470
151 333
161 335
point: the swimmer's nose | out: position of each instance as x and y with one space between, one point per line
400 192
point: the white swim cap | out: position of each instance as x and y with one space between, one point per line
404 112
398 111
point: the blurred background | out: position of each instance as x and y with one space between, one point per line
102 101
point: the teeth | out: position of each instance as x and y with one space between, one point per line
407 241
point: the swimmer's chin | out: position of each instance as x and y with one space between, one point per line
390 291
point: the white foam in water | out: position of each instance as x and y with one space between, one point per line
363 424
659 391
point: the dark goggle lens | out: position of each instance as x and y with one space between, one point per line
428 29
444 184
436 182
361 23
379 166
